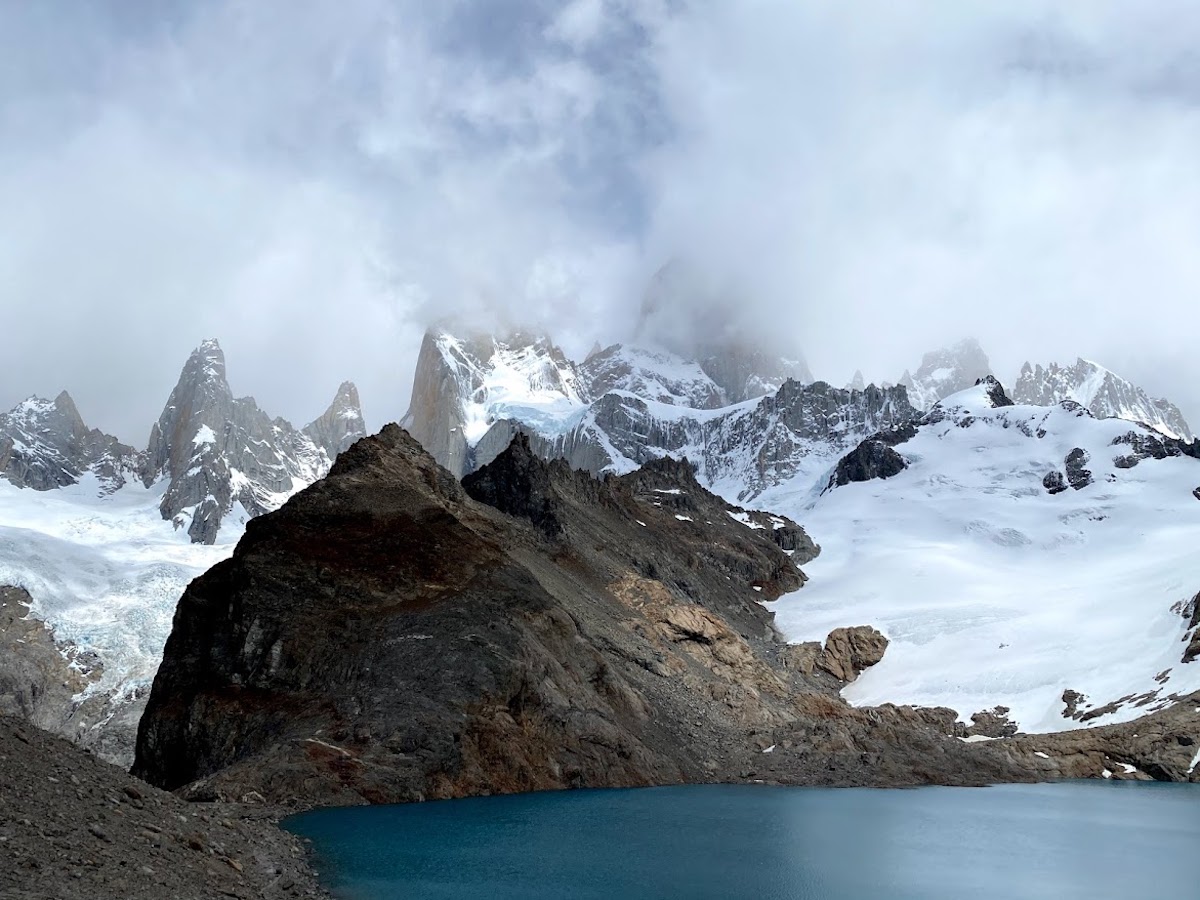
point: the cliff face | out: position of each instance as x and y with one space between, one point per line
216 451
385 637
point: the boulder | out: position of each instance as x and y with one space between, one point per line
1054 482
1078 476
849 651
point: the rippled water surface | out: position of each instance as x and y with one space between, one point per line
1076 840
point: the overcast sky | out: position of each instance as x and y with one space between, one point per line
313 182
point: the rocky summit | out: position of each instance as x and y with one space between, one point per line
44 444
216 451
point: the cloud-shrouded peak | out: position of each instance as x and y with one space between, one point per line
321 182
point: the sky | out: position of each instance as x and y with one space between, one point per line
315 182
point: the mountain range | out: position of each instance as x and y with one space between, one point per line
956 499
949 515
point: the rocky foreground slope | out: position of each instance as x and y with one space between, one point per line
392 635
75 828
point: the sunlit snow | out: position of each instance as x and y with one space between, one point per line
991 590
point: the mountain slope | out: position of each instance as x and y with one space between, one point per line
387 636
1021 552
1105 393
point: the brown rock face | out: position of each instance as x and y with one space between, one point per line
848 651
387 636
394 635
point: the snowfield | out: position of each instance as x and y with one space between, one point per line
104 571
991 590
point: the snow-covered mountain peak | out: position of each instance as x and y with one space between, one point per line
464 385
986 393
651 373
341 424
1102 391
45 444
945 372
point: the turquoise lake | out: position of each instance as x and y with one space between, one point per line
1075 840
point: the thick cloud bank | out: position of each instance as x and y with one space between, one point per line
314 182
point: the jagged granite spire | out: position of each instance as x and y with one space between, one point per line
44 444
216 451
1105 394
464 385
341 424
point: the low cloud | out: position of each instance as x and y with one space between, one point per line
315 183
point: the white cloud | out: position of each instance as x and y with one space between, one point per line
313 183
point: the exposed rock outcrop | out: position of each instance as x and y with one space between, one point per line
992 723
1054 482
1192 613
849 651
385 637
1078 475
871 459
1142 445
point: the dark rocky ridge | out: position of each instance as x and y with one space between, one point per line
75 828
385 637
